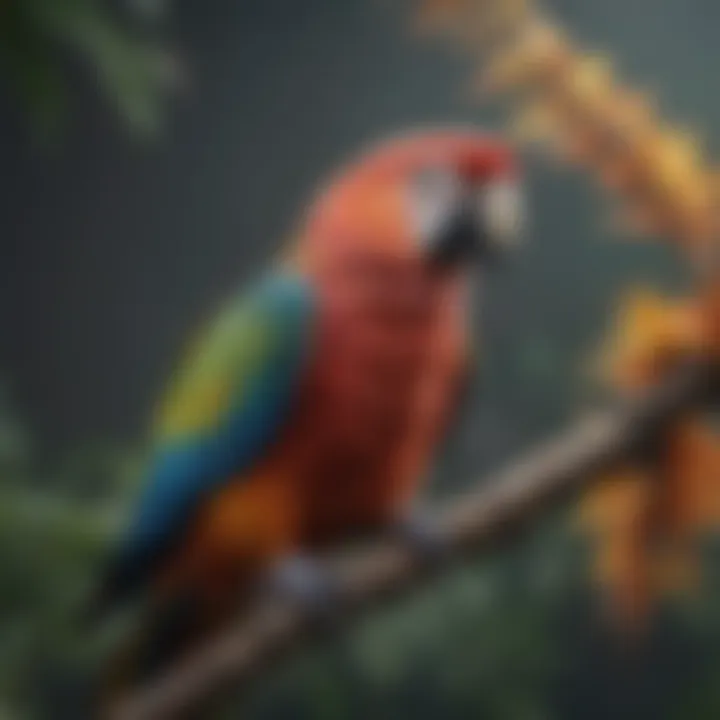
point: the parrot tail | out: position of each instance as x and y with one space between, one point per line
170 630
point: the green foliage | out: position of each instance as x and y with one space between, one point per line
51 539
480 645
47 44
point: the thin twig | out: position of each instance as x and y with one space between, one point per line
507 501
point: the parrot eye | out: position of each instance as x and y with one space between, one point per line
502 213
435 196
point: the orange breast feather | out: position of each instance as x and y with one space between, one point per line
240 530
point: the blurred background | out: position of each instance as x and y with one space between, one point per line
154 154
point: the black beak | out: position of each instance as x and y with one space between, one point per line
463 240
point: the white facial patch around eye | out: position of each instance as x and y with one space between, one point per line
502 211
434 196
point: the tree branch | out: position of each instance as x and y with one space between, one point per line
503 503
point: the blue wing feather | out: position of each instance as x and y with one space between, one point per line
188 466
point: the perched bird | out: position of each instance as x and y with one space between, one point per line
314 405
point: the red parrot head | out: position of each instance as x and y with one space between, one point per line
441 196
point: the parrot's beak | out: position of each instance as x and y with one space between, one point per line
460 220
461 239
484 227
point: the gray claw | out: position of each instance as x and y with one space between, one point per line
306 583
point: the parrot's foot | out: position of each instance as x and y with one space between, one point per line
304 582
425 538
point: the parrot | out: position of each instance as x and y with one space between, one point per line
314 404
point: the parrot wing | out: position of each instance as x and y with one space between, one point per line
226 406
